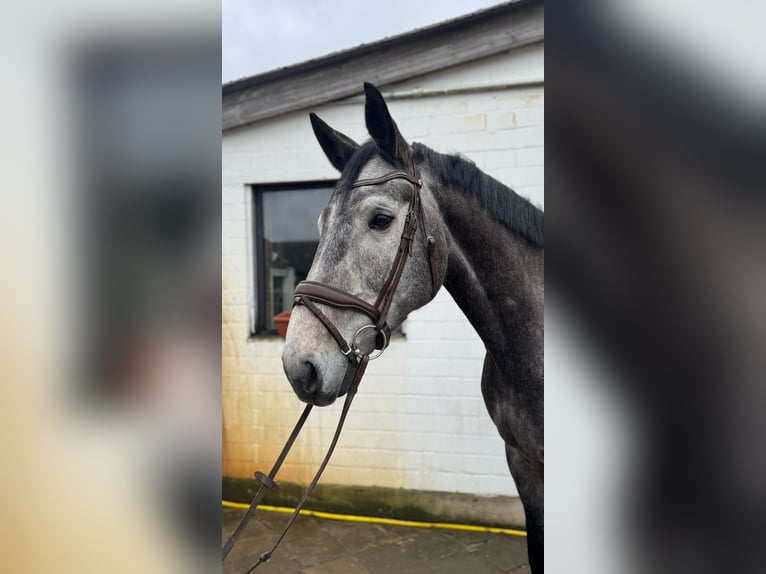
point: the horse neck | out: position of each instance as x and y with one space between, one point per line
496 278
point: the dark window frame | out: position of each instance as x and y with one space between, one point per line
259 265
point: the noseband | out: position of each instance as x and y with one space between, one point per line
308 293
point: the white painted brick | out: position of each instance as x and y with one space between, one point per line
533 156
458 124
532 136
234 246
490 161
415 127
236 164
535 175
501 120
530 116
233 213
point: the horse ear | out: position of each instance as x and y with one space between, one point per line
337 147
390 143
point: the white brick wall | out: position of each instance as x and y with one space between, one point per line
419 420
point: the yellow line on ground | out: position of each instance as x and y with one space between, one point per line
376 520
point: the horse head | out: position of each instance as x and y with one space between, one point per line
360 234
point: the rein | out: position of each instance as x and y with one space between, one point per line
308 294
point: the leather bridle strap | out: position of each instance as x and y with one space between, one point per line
387 292
310 292
413 179
266 482
346 405
321 293
345 349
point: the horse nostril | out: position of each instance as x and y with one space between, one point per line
310 379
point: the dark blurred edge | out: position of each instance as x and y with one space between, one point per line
148 143
148 157
657 227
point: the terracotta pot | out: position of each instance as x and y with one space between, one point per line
281 321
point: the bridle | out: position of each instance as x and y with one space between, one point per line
307 293
311 293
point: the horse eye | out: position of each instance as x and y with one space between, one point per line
380 221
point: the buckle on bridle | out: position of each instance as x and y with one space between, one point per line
354 349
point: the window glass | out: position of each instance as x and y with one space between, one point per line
289 240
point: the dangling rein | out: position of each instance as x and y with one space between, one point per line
268 481
307 293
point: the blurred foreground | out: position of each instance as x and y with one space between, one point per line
111 288
655 363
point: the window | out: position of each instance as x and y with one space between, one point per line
286 238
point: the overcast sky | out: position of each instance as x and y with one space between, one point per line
261 35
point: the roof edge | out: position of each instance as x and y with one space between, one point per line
341 55
341 74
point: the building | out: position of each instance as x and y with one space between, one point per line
473 85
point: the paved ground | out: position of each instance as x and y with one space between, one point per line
319 546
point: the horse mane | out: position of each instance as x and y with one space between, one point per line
499 201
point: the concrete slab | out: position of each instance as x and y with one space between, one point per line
320 546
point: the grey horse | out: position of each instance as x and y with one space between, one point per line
488 251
